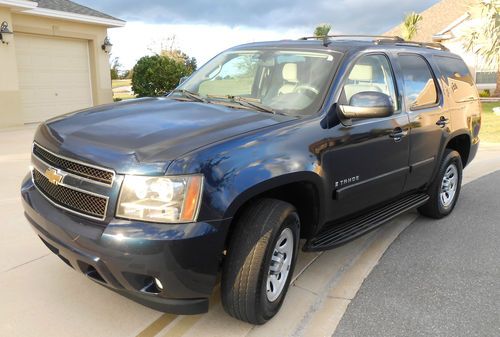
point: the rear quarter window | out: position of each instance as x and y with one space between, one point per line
456 76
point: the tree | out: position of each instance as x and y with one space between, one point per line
410 25
154 75
322 30
483 39
176 54
115 68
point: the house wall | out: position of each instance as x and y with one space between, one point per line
473 61
10 109
9 85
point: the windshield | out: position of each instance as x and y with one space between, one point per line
284 81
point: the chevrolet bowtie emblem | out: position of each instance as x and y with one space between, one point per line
54 177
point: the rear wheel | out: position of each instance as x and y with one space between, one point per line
445 188
260 261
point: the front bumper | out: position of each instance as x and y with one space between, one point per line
126 255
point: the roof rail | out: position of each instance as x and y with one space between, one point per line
430 45
375 38
380 39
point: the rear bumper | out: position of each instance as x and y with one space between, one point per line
125 256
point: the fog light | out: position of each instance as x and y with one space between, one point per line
158 284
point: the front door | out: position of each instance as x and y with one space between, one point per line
369 162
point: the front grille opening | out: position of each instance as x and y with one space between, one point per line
142 283
150 287
81 170
77 201
91 272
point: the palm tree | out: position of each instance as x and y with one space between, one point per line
483 39
322 30
410 25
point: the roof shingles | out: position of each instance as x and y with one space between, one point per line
72 7
436 18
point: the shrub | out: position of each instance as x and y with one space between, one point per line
157 74
484 93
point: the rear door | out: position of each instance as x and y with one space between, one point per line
424 104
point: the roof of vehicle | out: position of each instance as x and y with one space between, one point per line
347 43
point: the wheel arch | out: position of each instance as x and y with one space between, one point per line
461 142
302 189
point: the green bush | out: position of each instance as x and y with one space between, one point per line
157 74
484 93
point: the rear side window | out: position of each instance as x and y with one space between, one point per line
420 88
456 75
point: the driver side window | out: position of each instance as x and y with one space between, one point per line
370 73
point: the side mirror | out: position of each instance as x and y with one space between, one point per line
183 79
368 104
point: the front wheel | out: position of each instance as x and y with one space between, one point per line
260 261
445 188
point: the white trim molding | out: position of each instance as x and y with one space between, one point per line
454 24
75 17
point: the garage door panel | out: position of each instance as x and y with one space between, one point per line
54 76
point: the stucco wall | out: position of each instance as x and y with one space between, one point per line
10 110
9 86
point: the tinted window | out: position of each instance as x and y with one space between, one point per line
420 88
457 77
371 73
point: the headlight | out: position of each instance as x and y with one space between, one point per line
174 199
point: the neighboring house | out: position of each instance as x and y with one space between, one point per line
446 22
54 61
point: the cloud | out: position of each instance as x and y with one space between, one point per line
204 28
201 41
353 16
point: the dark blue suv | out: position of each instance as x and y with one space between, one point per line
320 139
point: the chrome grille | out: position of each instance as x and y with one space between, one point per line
73 200
85 171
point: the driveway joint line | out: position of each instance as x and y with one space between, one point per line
25 263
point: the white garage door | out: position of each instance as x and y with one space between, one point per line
54 76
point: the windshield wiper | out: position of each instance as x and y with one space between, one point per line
247 102
191 95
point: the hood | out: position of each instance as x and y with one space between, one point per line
143 136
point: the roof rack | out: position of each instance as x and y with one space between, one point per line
375 38
380 39
430 45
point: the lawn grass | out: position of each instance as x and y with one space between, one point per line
123 95
490 124
121 83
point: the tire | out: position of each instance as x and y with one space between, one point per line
251 254
442 201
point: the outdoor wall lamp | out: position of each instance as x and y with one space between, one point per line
107 46
5 33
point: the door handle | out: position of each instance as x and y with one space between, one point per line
397 134
442 121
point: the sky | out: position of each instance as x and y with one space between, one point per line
203 28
